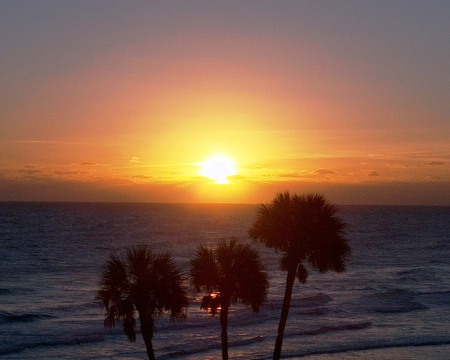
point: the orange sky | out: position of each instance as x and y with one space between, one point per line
106 102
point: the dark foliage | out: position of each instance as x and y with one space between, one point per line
147 283
307 232
231 272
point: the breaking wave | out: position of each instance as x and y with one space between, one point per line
6 318
74 340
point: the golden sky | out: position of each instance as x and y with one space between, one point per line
122 101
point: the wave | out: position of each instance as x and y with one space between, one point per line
7 318
444 292
435 298
316 311
214 345
418 275
74 307
68 341
319 299
327 329
16 291
393 301
370 346
200 321
403 308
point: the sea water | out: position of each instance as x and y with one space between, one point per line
393 302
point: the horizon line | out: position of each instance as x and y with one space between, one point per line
195 203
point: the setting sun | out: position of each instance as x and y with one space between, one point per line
218 168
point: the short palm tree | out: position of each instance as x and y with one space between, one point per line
306 230
147 283
231 272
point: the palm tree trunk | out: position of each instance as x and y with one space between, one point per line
147 334
284 311
224 326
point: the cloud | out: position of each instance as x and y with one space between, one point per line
291 175
30 171
255 167
236 177
436 163
373 173
135 159
323 172
398 166
65 172
50 142
142 177
89 163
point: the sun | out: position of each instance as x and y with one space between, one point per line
218 168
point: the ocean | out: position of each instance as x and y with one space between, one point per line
393 302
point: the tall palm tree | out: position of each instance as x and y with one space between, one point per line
148 283
306 230
231 272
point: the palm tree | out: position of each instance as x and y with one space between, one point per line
307 231
231 272
148 283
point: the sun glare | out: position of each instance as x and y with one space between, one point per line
218 168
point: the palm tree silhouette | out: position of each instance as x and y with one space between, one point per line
148 283
306 230
231 272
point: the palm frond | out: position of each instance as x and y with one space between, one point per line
204 271
304 228
232 270
148 283
114 291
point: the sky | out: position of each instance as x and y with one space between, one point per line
127 100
